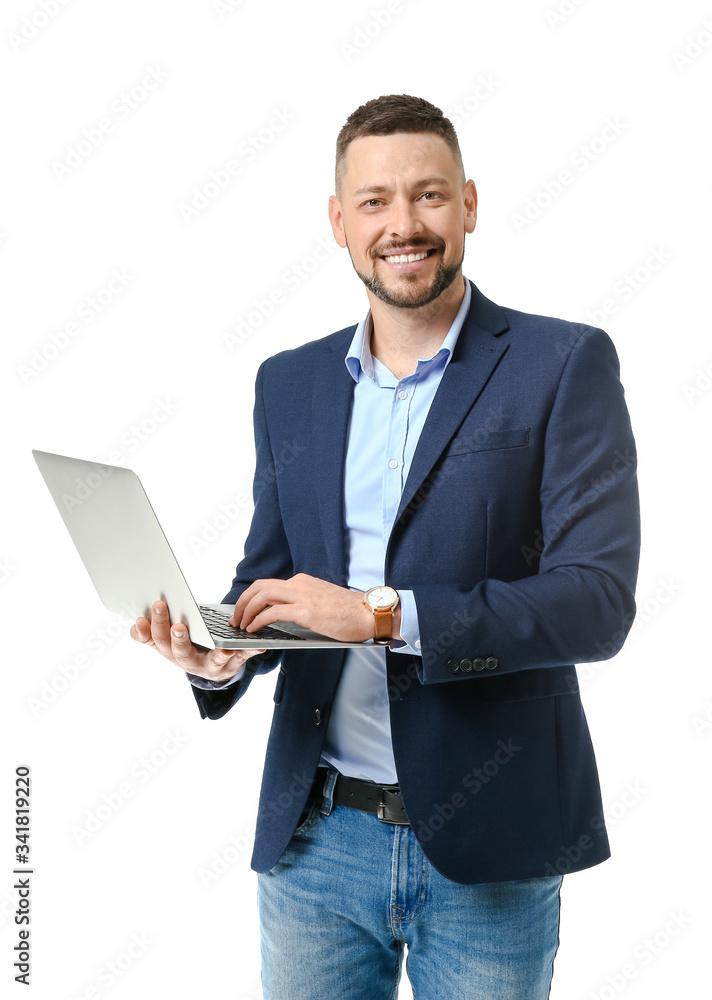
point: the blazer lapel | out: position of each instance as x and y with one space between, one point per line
477 354
333 391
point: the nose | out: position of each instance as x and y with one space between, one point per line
404 221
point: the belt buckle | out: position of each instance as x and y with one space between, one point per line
382 789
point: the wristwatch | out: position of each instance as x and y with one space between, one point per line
382 601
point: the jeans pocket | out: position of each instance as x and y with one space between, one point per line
308 817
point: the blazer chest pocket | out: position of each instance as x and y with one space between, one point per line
467 443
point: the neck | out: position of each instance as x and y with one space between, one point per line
401 336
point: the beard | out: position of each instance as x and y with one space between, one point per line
417 295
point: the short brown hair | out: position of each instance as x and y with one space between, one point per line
391 114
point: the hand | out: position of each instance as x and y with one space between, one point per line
173 642
333 611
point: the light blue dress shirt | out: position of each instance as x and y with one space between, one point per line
387 418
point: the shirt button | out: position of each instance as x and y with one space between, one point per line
417 643
393 464
402 394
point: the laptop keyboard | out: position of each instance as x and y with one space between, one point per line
217 623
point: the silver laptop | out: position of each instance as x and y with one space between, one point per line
131 564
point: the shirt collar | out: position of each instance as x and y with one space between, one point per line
359 359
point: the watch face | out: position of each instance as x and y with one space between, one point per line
382 597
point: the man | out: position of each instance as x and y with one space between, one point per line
475 465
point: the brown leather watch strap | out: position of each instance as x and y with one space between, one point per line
384 625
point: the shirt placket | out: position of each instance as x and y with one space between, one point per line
394 470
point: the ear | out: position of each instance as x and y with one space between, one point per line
337 220
470 198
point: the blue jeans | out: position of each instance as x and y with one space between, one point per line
350 892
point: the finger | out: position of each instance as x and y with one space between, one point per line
242 601
197 660
161 626
251 610
279 592
221 669
141 630
276 613
214 665
257 596
183 652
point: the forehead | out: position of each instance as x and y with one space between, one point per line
380 159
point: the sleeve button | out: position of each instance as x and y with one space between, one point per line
466 666
478 664
491 662
453 666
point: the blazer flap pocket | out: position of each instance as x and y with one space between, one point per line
481 440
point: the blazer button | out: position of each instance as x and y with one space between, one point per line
478 664
317 716
491 662
466 666
453 666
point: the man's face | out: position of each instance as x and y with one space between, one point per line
404 196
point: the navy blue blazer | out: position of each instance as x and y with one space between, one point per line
518 532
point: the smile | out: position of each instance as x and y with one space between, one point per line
407 258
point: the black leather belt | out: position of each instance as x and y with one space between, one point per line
384 801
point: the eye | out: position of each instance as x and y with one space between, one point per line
430 195
372 202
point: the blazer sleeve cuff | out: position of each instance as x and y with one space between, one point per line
208 685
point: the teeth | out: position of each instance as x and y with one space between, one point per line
407 258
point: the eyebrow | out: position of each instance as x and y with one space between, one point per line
424 182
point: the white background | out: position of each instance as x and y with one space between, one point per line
532 92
